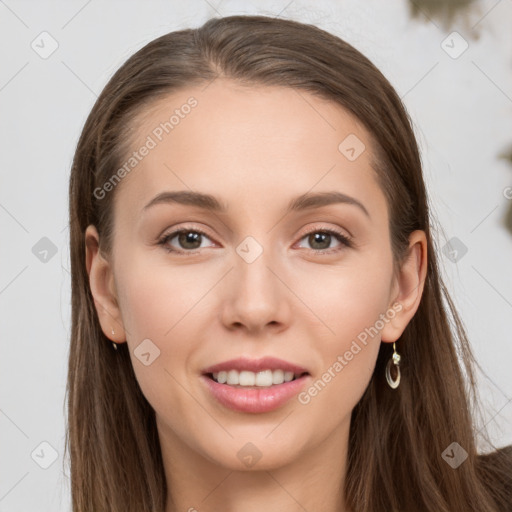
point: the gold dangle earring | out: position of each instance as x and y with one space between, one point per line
395 361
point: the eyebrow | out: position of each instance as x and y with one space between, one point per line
211 203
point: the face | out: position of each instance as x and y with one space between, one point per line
312 285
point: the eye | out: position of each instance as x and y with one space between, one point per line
320 240
189 240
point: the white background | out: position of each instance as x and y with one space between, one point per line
461 108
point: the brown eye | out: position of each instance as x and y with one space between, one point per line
320 240
188 240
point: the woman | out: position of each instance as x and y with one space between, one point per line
298 354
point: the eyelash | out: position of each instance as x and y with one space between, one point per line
343 239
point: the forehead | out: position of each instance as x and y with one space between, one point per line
247 144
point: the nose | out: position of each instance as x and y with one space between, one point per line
256 297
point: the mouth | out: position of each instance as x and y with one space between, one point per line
254 385
254 397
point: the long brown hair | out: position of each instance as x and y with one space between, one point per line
397 437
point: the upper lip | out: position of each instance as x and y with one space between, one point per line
256 365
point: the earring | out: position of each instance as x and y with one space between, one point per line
113 343
395 360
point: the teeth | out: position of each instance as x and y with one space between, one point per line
245 378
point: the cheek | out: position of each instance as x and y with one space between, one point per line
332 395
348 356
164 305
344 299
160 304
352 304
156 300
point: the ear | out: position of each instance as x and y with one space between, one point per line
101 282
407 287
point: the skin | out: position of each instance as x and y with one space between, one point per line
254 148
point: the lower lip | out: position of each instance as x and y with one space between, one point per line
255 400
